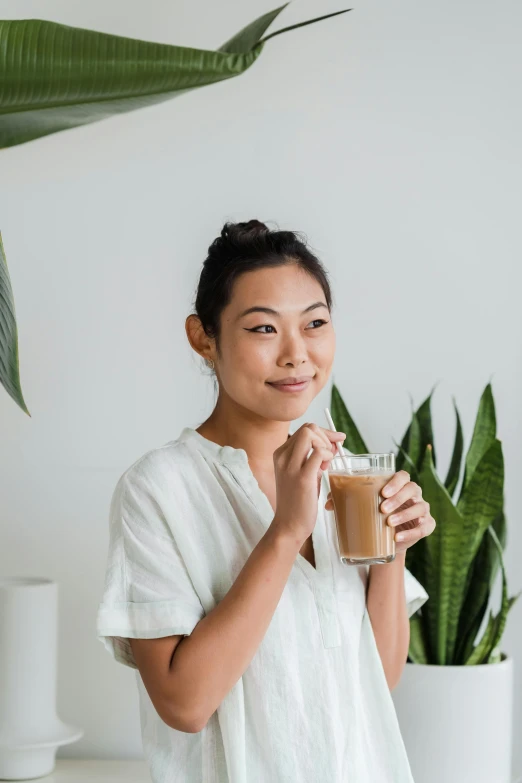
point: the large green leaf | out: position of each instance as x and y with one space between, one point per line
9 364
419 434
452 478
443 549
55 77
478 507
415 555
411 445
426 428
486 649
481 577
483 435
417 651
344 423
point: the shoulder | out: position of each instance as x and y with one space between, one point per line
158 466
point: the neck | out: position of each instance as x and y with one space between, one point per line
232 425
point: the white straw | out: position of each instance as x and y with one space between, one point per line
339 447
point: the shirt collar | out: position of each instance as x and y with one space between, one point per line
226 454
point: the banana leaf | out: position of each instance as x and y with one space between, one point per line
483 436
9 362
344 422
55 77
452 478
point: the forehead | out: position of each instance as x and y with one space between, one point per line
285 288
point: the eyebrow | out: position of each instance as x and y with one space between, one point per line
270 311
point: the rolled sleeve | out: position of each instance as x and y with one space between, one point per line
415 593
148 592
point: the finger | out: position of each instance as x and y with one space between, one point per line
409 490
313 463
294 444
331 437
396 482
311 434
307 443
412 512
415 534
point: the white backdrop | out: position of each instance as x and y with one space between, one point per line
396 149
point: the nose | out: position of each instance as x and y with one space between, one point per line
293 351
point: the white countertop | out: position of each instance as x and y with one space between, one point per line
87 771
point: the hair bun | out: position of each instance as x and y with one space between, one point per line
250 228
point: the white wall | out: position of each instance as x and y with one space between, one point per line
395 148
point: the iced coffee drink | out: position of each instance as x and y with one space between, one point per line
356 482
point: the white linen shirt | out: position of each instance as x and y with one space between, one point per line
313 706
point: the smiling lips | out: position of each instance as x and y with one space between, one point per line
291 384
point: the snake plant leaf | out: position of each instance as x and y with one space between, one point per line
417 650
443 548
419 434
344 422
55 77
466 640
478 508
426 428
481 577
408 463
9 363
483 435
415 555
495 627
452 478
411 444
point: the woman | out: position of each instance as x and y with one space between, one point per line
260 656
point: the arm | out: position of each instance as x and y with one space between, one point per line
386 603
209 662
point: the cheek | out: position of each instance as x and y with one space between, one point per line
324 352
251 359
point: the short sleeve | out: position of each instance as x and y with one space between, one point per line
415 593
148 592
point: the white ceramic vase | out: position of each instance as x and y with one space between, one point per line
456 721
30 730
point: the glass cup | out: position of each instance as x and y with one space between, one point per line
356 482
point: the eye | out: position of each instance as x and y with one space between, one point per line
319 321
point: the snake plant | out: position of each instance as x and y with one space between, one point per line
54 77
458 563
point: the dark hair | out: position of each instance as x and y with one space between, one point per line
243 247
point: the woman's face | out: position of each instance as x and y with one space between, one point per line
257 348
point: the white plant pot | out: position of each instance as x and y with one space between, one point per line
30 730
456 721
